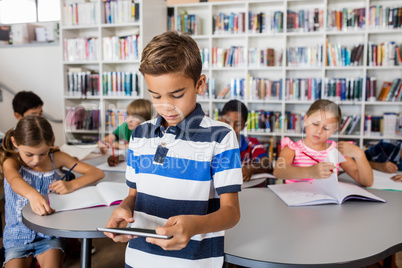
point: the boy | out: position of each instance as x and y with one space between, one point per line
253 156
138 111
27 103
386 156
183 168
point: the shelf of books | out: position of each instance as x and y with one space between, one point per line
278 56
102 44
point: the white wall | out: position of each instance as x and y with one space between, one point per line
37 69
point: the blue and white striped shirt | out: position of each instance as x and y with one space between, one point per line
181 171
15 232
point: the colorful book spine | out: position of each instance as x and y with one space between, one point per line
303 89
121 84
262 57
385 17
268 22
305 56
232 57
233 23
388 125
263 89
346 19
340 56
305 20
79 13
114 118
120 11
120 48
80 49
385 54
343 89
82 118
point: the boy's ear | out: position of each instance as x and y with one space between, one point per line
200 86
18 116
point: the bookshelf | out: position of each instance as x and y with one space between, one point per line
307 31
102 43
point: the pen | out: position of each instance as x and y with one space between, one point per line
68 172
315 159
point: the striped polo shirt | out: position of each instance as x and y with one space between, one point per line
181 170
304 155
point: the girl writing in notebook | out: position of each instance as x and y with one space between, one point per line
306 158
31 168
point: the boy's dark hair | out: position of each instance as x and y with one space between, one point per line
25 100
172 52
235 106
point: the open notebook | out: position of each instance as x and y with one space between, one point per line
103 194
321 191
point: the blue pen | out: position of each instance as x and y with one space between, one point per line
104 143
68 172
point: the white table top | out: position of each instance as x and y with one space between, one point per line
354 234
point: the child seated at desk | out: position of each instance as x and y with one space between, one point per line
386 156
253 156
138 111
305 159
27 103
30 165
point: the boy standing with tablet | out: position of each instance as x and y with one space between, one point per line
183 168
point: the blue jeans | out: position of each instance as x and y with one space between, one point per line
37 247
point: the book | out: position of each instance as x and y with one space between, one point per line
80 151
383 181
103 194
321 191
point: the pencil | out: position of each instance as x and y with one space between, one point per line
315 159
104 143
68 172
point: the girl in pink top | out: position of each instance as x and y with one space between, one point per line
305 159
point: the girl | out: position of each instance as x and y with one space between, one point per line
299 160
30 166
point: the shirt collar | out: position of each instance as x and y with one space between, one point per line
189 125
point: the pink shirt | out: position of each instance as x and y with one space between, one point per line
301 151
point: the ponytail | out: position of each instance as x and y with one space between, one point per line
7 149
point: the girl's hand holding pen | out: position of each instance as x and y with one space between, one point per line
322 170
103 147
61 187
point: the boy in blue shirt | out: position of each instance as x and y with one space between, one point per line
386 156
183 168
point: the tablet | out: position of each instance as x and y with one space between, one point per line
134 231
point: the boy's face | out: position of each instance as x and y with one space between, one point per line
33 111
133 122
174 95
235 120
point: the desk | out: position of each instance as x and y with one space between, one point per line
354 234
76 223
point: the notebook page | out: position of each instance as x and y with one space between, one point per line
113 192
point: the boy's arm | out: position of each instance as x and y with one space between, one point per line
90 174
262 166
284 169
387 167
183 227
121 216
37 202
359 168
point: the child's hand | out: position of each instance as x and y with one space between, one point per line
180 227
103 147
349 149
246 170
61 187
119 218
388 167
322 170
114 161
39 205
397 178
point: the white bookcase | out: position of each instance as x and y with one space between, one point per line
92 23
206 38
